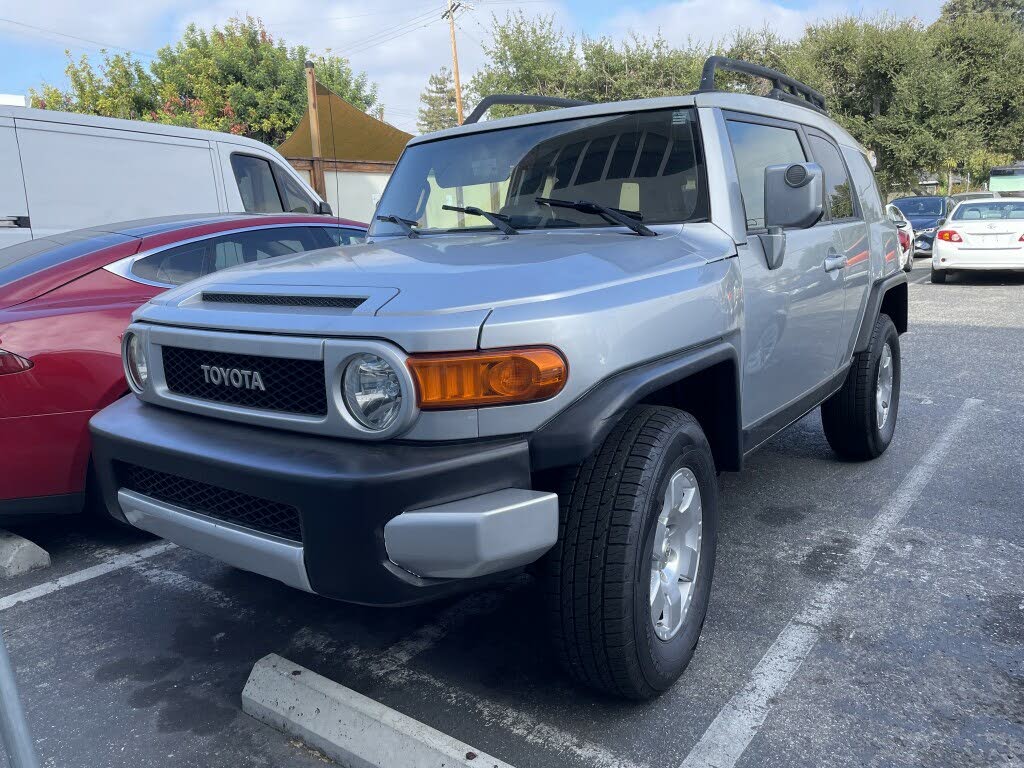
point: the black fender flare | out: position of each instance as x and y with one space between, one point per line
579 429
874 306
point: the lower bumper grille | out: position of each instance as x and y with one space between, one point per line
253 512
251 381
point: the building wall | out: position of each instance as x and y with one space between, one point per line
352 194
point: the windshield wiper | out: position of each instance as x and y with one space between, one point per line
630 219
496 219
406 224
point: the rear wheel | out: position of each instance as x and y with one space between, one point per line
860 419
938 275
630 576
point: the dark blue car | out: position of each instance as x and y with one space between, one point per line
925 212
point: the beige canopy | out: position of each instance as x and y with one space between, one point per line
346 133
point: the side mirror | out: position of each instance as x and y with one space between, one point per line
793 195
792 199
324 208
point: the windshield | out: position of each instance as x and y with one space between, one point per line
919 206
976 211
648 163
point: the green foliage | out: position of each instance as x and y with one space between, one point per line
438 109
236 79
923 99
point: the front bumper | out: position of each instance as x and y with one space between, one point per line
458 513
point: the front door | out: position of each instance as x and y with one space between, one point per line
15 225
793 314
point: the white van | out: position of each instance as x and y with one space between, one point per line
61 171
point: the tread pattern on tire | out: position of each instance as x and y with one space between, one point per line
848 416
590 597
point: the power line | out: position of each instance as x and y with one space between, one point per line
76 37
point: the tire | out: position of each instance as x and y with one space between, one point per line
909 265
851 416
938 275
599 575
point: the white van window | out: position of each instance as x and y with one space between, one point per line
295 198
256 184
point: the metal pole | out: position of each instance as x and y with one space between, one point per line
14 735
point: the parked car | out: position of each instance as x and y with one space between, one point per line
75 171
65 300
551 381
925 213
980 235
905 233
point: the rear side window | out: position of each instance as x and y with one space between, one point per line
838 190
186 262
864 180
344 236
256 184
755 147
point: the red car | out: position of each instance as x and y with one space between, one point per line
65 300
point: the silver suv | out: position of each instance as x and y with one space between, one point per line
563 326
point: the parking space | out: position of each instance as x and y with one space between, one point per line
862 614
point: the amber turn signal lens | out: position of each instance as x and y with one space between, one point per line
491 377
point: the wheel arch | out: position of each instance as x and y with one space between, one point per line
889 296
702 381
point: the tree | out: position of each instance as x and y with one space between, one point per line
236 79
438 109
1005 10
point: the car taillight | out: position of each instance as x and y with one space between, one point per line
949 235
12 363
904 239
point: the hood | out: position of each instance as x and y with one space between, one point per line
442 274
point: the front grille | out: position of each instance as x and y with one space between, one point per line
244 510
334 302
284 385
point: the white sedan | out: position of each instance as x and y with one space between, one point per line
980 234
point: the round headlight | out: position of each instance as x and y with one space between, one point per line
136 368
373 391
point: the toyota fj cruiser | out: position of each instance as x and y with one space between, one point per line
563 326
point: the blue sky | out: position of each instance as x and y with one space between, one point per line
399 43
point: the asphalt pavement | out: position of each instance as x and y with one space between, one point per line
861 614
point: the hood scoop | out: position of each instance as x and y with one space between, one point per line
272 300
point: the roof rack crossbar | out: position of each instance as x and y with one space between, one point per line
507 98
784 87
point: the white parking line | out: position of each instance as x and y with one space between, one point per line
738 722
108 566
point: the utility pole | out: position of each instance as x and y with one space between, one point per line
316 174
454 5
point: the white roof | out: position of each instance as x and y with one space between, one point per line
738 102
139 126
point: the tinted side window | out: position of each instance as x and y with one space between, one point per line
342 236
864 180
755 147
178 265
838 191
256 184
295 198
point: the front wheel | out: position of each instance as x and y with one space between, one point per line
860 419
630 576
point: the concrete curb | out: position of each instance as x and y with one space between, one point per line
19 556
348 727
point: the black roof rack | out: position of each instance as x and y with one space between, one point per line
505 98
784 87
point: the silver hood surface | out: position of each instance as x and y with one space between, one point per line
436 282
